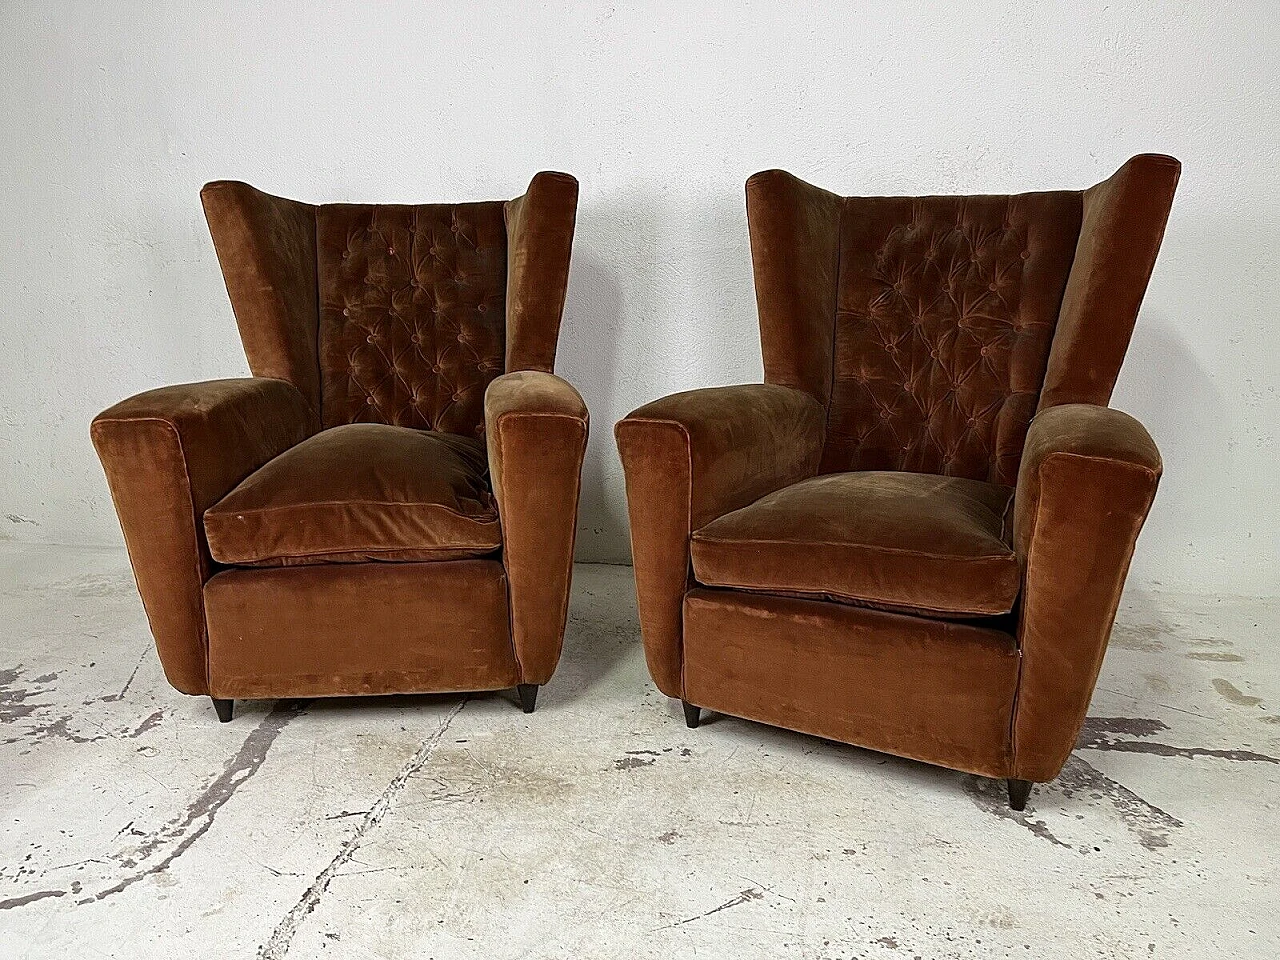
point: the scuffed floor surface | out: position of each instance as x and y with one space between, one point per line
132 824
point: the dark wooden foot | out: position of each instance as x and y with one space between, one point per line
692 714
224 708
1019 790
528 696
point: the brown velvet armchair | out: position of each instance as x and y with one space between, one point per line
913 536
388 505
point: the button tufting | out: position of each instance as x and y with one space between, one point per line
383 309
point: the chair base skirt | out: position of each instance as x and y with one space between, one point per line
929 690
359 629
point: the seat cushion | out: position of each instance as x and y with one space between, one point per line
906 541
363 491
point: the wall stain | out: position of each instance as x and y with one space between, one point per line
30 898
990 795
1228 691
1215 657
634 763
40 725
1098 733
184 830
1141 637
1145 820
13 698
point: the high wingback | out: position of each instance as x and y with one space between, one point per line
933 328
390 313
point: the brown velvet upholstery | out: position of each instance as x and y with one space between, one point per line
355 629
913 541
886 544
349 482
362 491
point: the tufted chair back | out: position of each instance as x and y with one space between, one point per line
390 313
933 328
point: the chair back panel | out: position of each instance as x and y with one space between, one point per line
945 315
412 307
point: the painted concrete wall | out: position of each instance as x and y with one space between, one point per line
115 113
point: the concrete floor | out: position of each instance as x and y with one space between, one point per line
132 824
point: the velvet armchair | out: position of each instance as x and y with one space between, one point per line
913 536
388 504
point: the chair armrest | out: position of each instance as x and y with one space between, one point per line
690 458
1085 485
536 426
170 454
539 245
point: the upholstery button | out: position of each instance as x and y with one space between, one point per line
346 254
414 338
369 400
462 338
991 286
436 368
1026 254
457 397
346 311
483 307
391 251
369 339
884 414
985 350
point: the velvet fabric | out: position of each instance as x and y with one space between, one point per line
924 333
540 236
357 629
384 339
1088 478
927 544
925 689
267 248
537 435
1124 222
411 301
362 491
170 454
690 458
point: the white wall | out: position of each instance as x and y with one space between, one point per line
113 114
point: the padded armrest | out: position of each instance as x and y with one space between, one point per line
536 426
1086 482
170 454
690 458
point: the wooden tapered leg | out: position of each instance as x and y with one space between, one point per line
1019 790
224 708
692 714
528 696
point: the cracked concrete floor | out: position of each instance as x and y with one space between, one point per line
132 824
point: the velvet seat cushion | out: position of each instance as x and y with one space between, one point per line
906 541
358 492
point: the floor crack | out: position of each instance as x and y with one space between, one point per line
281 939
